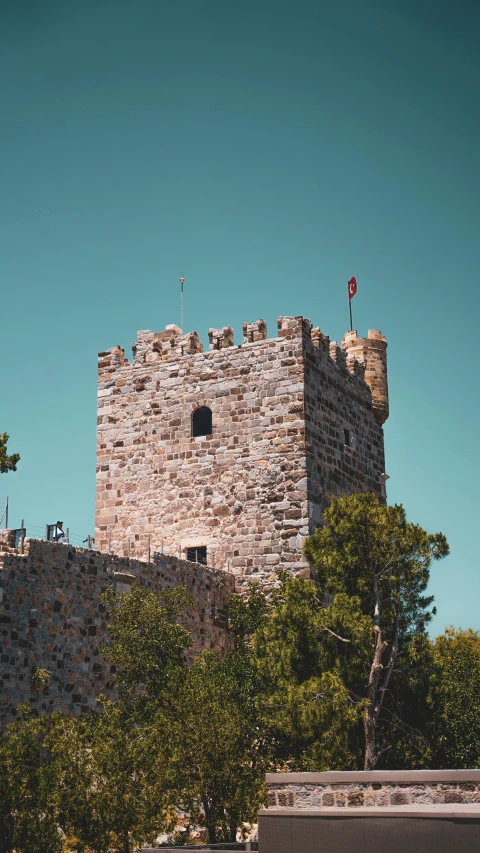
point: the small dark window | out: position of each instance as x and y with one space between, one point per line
197 554
346 437
202 422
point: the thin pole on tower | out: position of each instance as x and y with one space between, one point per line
182 282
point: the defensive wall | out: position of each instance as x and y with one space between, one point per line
52 617
296 420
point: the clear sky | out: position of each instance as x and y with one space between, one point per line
267 149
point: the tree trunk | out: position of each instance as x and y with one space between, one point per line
212 833
211 827
369 731
233 833
373 709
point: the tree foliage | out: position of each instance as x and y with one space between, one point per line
303 705
200 719
28 789
147 641
330 673
213 750
111 793
376 565
454 729
7 463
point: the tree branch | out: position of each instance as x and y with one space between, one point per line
342 639
394 653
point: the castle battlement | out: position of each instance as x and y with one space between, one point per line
236 451
364 358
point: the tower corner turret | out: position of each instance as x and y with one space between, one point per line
372 351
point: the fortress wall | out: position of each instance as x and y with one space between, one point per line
52 617
236 491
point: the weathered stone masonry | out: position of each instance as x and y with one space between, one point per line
296 420
52 617
378 788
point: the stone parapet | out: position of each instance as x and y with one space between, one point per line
382 789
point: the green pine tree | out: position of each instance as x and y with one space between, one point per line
7 463
376 566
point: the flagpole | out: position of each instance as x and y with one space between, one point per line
181 280
350 306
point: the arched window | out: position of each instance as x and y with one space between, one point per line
202 421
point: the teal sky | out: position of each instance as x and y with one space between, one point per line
267 149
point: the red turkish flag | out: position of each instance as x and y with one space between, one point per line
352 287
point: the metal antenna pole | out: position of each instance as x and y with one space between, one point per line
182 282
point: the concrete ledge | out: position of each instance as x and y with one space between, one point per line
468 811
362 777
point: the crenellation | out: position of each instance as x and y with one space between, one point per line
220 338
165 346
337 355
319 340
253 332
294 326
110 360
356 367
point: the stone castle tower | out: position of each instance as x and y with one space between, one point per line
230 456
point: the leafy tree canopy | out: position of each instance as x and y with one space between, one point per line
454 730
28 789
376 565
111 792
200 720
7 463
213 749
147 641
302 701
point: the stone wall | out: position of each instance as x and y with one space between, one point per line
339 409
254 489
372 788
52 617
